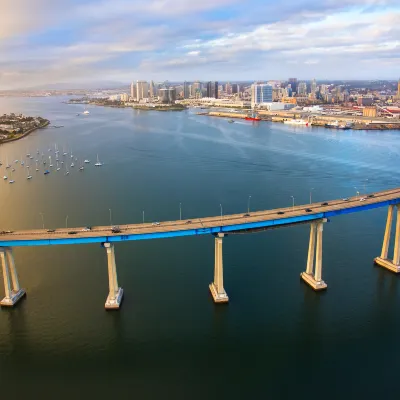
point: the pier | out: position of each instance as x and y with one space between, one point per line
219 227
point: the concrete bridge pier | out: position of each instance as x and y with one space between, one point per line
114 298
13 292
217 287
383 260
311 277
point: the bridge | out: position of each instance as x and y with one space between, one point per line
315 214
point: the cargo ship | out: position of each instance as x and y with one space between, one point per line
253 117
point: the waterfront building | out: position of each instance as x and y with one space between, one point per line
228 88
365 100
370 112
142 88
196 87
124 97
260 93
167 95
186 90
133 91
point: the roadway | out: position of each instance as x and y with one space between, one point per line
198 226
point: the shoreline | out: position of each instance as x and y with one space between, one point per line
388 126
29 131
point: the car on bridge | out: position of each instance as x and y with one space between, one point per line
116 229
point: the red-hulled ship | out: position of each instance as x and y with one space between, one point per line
253 117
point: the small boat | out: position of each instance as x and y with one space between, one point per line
16 161
81 168
4 177
50 165
46 172
58 168
98 164
11 180
231 121
37 151
66 170
31 157
12 169
86 112
22 163
29 176
87 161
37 169
297 122
253 117
72 165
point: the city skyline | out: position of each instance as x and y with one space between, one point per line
46 42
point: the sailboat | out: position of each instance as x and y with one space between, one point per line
58 168
29 176
86 112
66 170
72 165
37 151
22 162
28 154
8 165
5 177
37 169
11 180
64 152
72 156
50 165
81 168
98 164
55 148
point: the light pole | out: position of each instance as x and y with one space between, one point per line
364 185
110 216
293 202
358 193
41 214
311 195
221 212
248 205
180 211
143 216
66 222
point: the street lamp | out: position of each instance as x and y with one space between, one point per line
358 193
180 211
143 216
221 212
293 202
41 214
110 216
311 195
365 184
66 222
248 205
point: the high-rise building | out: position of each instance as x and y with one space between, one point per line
186 90
142 88
196 87
124 97
293 84
212 89
302 89
313 86
133 90
398 89
260 93
151 89
228 88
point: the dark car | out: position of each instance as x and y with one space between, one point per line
308 210
188 222
371 195
246 215
116 229
280 212
51 230
72 232
325 204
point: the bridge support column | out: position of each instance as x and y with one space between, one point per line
13 292
217 287
311 277
115 295
383 260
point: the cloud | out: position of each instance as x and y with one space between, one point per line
44 41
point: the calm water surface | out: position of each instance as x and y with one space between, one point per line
275 339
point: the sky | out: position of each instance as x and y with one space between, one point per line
79 41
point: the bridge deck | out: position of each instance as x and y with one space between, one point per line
200 226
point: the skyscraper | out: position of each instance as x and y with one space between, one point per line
313 87
260 93
212 89
133 90
293 84
186 90
302 89
142 89
151 89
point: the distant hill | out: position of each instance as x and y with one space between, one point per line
71 86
